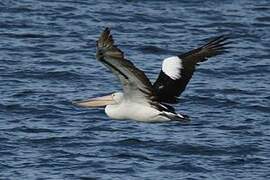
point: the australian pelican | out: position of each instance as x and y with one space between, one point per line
141 100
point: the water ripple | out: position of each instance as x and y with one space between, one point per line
48 60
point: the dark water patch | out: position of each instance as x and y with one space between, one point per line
101 128
183 166
246 130
4 165
267 97
152 49
243 149
20 108
261 8
66 8
17 10
222 24
256 108
70 2
58 62
128 142
114 170
2 139
40 74
227 91
61 154
54 140
25 93
237 128
263 68
194 149
14 25
245 161
132 142
241 71
263 19
67 51
47 46
62 75
234 91
261 25
209 72
49 115
26 129
130 156
29 36
212 101
87 178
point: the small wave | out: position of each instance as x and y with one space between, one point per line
24 93
40 74
49 140
260 108
194 149
29 35
20 108
152 49
184 166
130 141
213 101
264 19
131 156
238 128
31 130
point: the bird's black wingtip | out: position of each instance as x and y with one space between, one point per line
219 43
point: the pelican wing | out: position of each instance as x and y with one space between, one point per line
178 70
136 85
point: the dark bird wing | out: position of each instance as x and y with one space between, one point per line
177 71
136 85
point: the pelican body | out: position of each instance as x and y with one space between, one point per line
119 107
132 110
141 100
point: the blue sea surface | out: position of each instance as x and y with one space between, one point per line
47 60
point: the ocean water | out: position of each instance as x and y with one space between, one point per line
47 60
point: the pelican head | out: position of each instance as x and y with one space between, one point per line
111 99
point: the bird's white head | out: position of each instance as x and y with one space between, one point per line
117 97
114 98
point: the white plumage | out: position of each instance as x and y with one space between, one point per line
172 66
124 108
